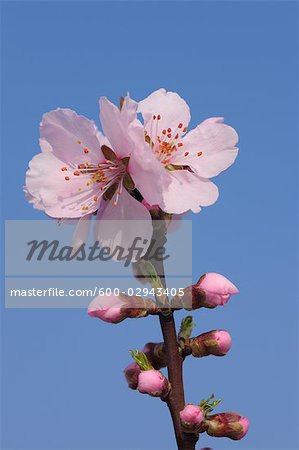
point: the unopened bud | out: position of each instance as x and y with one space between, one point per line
216 342
216 288
153 382
191 418
230 425
211 290
114 309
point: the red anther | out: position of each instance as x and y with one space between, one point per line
169 135
169 130
186 153
95 198
180 144
180 125
85 150
163 131
176 136
76 173
199 153
159 117
185 129
67 178
63 169
154 117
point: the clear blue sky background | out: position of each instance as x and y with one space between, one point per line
62 372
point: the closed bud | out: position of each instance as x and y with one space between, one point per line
191 418
211 290
116 308
131 373
216 288
153 382
216 342
155 352
230 425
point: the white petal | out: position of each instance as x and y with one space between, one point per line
210 147
116 122
61 198
68 135
120 225
187 191
171 108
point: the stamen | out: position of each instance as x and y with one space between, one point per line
199 153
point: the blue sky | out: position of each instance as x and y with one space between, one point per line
62 372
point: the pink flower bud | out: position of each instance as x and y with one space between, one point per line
191 418
131 373
230 425
224 342
153 382
109 309
216 289
216 342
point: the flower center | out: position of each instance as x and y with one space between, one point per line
110 175
164 143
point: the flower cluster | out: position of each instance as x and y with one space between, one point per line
82 172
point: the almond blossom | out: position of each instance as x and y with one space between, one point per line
189 159
80 171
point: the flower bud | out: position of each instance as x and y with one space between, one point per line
155 352
116 308
153 382
216 288
131 373
98 307
216 342
191 417
211 290
230 425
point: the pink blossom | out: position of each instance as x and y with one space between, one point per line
191 417
152 382
217 289
81 171
182 162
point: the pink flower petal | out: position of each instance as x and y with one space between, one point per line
171 109
209 148
187 191
73 138
119 225
116 123
61 198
